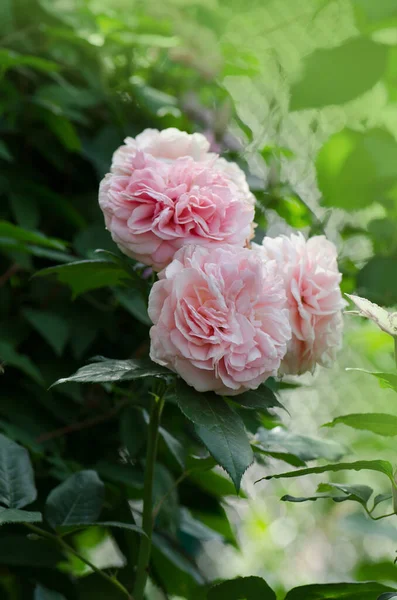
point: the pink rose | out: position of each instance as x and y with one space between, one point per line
219 317
311 280
156 202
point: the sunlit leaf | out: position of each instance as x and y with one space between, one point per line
335 76
380 423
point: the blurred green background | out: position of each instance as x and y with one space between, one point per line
303 95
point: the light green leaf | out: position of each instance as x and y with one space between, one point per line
220 429
355 169
249 588
76 501
382 466
261 399
335 76
8 230
53 328
386 380
83 276
42 593
15 515
342 591
373 15
280 440
17 488
108 370
379 423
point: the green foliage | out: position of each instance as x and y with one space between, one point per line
76 78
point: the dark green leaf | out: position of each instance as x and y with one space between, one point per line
379 423
8 230
107 370
20 361
4 152
196 528
10 59
14 515
377 282
335 76
381 466
220 429
64 131
249 588
355 493
387 596
42 593
25 210
177 557
83 276
261 399
280 440
342 591
76 501
53 328
17 488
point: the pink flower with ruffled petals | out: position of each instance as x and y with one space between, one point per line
155 203
311 280
219 317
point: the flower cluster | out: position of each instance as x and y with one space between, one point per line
225 316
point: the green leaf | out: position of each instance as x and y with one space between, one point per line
335 76
17 488
249 588
108 370
382 466
76 501
134 302
380 423
261 399
14 515
388 596
280 440
355 169
25 210
53 328
83 276
377 282
196 528
342 591
177 557
8 230
382 498
42 593
386 380
373 15
10 59
64 131
220 429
